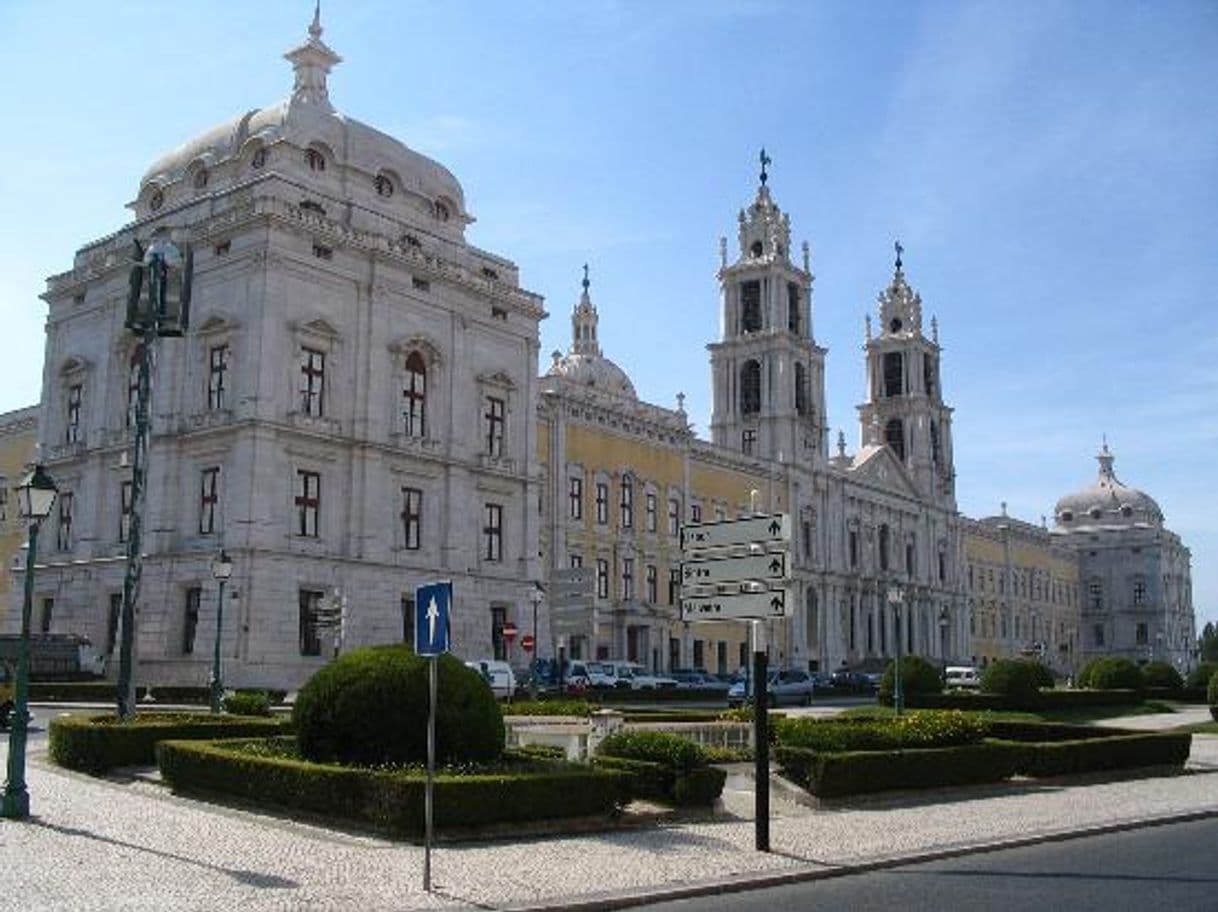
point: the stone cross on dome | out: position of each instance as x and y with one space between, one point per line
312 62
765 163
900 250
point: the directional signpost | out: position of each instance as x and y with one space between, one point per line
433 603
737 570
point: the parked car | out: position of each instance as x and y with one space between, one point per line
498 674
785 687
963 676
626 676
696 679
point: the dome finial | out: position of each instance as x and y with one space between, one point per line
1105 459
315 28
586 281
765 163
900 250
312 62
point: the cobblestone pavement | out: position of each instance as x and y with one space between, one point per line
97 844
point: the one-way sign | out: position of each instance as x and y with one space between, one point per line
432 603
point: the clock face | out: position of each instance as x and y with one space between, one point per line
895 325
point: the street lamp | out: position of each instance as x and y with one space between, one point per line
35 497
945 622
896 598
221 569
535 598
158 304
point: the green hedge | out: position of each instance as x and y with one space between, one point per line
248 703
918 676
78 692
664 766
94 744
1128 751
912 730
647 779
1046 699
855 772
392 801
554 707
620 696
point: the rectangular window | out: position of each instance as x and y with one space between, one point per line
602 578
133 390
627 503
494 426
492 533
190 619
720 514
1139 592
699 654
3 501
1141 633
310 642
650 508
408 620
695 513
575 496
1099 634
854 549
115 612
674 516
748 441
806 531
674 586
63 532
414 397
652 584
412 518
943 567
1096 591
48 609
124 512
217 368
72 426
209 496
575 560
312 385
602 503
909 560
627 578
308 505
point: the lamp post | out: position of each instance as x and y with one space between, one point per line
164 271
535 598
221 570
896 598
35 497
945 623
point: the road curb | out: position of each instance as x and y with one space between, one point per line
809 871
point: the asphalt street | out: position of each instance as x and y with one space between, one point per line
1169 867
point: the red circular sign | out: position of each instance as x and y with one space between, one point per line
526 642
509 631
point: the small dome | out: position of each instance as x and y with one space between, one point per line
1108 502
595 371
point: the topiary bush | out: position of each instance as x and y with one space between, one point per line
1019 679
1111 673
654 747
369 706
917 676
248 703
1162 674
1200 676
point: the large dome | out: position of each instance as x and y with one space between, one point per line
1108 502
305 136
593 371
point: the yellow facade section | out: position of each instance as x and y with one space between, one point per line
18 437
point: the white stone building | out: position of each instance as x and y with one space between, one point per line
349 414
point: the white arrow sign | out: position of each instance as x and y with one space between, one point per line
737 532
728 569
771 604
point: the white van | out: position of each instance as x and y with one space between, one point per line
498 675
963 676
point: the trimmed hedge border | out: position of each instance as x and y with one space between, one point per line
1045 699
697 787
390 801
1128 751
78 691
94 744
855 772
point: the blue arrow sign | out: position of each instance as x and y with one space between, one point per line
431 610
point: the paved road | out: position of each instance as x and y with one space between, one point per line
1166 867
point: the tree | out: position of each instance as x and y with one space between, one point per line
1208 642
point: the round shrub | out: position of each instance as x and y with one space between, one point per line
655 747
918 676
369 706
1019 679
1200 676
248 703
1161 674
1111 673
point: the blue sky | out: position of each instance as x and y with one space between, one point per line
1050 168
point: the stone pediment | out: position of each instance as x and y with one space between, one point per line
879 466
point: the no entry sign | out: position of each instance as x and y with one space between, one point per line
526 642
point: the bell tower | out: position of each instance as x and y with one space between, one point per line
905 409
767 372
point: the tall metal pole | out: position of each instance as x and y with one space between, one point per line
16 801
135 556
217 687
761 741
536 596
431 770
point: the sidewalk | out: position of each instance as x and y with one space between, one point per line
104 845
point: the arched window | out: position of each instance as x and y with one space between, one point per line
794 323
750 388
414 397
894 374
750 306
894 436
801 389
315 160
